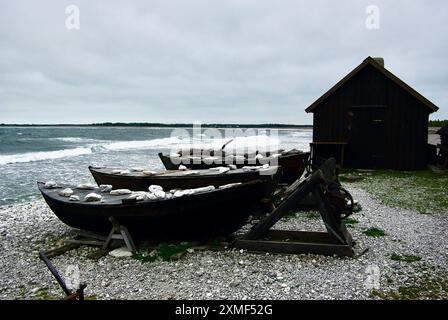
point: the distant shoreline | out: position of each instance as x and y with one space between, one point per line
432 124
163 125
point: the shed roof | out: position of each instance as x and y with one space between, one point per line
370 61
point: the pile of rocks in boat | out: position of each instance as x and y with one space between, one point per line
155 192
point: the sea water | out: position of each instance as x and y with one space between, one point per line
63 154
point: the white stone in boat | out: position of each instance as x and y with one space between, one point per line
151 196
220 169
50 185
155 187
138 195
67 192
159 194
120 192
74 198
178 194
86 186
204 189
91 197
230 185
105 188
189 172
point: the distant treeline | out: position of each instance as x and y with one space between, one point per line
438 123
166 125
432 123
204 125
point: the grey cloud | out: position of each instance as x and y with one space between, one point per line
214 61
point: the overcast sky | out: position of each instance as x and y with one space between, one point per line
234 61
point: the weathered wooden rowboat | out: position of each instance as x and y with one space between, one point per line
176 179
190 217
293 163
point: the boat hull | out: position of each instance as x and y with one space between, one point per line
179 180
194 217
293 165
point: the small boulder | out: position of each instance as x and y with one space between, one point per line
122 252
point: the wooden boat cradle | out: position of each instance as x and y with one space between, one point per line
336 241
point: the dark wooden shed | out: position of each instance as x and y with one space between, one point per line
372 119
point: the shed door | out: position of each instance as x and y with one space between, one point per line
368 140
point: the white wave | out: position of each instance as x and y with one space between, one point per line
44 155
143 144
75 139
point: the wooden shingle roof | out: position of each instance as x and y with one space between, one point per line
370 61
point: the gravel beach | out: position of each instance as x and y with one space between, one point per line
28 227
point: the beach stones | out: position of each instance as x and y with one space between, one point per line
92 197
67 192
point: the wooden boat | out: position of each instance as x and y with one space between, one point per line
293 162
177 179
190 217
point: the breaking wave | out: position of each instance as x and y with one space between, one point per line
251 142
88 149
44 155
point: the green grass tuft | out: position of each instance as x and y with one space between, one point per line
164 252
357 208
374 232
405 258
350 222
